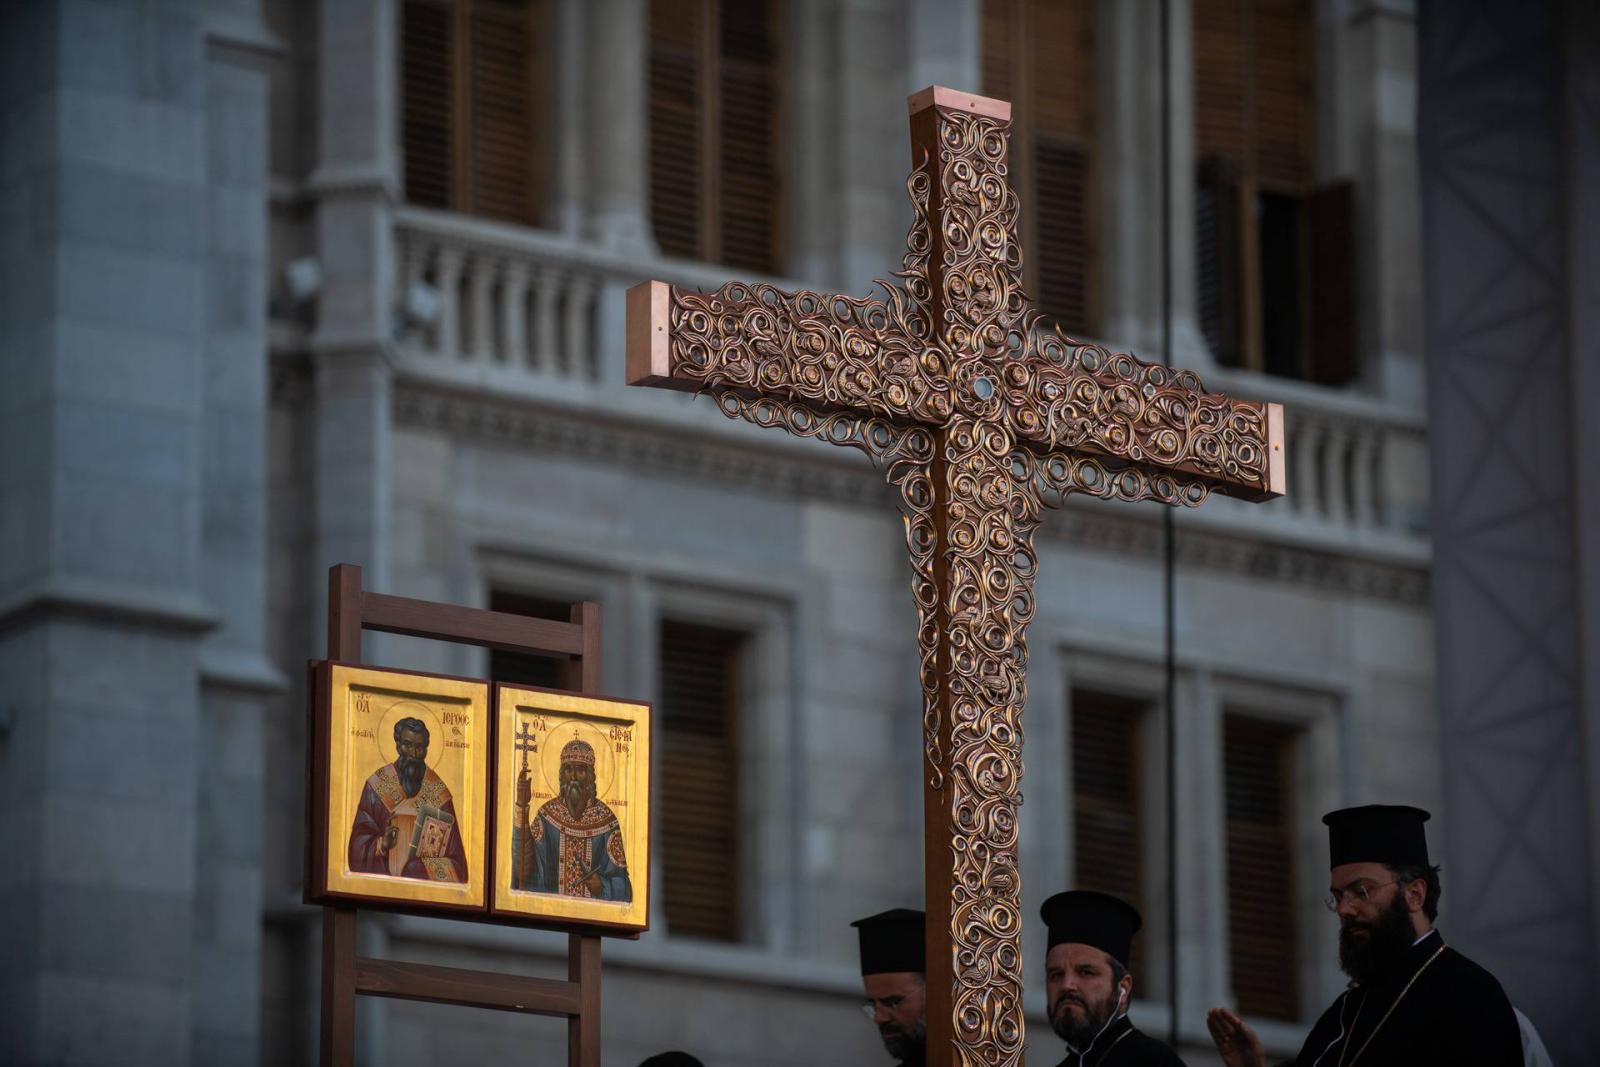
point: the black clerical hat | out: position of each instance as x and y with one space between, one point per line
672 1059
1085 917
1377 833
892 941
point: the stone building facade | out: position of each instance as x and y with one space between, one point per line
235 349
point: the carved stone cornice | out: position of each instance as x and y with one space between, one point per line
1268 560
645 449
839 477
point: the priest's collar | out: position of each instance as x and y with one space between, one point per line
1420 952
1114 1032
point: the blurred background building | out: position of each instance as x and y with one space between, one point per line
288 283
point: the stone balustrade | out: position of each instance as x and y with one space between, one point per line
528 313
472 291
1358 467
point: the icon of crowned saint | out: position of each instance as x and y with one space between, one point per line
573 844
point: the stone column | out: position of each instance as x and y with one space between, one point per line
617 127
1505 132
1128 50
237 678
810 169
1582 30
1367 131
1202 824
1189 348
102 194
617 130
872 144
564 212
355 186
946 39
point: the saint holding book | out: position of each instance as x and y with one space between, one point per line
405 825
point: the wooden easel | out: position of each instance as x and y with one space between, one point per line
346 975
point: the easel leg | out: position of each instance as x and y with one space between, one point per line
338 986
583 1030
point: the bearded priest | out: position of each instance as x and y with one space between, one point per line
1087 983
1412 999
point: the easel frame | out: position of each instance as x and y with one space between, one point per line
346 975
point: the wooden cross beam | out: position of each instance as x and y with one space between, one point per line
982 414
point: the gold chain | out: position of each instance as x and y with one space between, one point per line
1392 1007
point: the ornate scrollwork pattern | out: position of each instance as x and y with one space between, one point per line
982 415
830 352
991 512
1076 397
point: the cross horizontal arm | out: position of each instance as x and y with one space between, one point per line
1143 417
832 353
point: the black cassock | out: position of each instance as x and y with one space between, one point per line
1123 1046
1453 1013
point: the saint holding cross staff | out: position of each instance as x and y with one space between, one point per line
982 414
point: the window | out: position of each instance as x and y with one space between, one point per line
1107 801
1262 937
713 130
697 737
473 94
1039 54
522 668
1275 253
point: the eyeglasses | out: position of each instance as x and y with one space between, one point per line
870 1008
1361 891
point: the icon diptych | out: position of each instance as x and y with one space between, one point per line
444 795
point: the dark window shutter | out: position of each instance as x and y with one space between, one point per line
1039 54
426 85
1285 66
1063 248
1281 251
521 668
504 104
1334 352
472 124
1257 759
1217 258
699 793
748 181
998 58
676 114
1061 62
1254 76
1107 801
1253 71
1220 80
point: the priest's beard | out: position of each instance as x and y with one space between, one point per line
1079 1028
909 1045
1385 944
411 770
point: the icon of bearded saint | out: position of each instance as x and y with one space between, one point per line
405 825
573 844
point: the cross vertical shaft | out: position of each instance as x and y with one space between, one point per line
973 635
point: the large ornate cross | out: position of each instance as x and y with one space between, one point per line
982 414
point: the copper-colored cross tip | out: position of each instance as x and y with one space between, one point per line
955 100
647 312
1277 476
